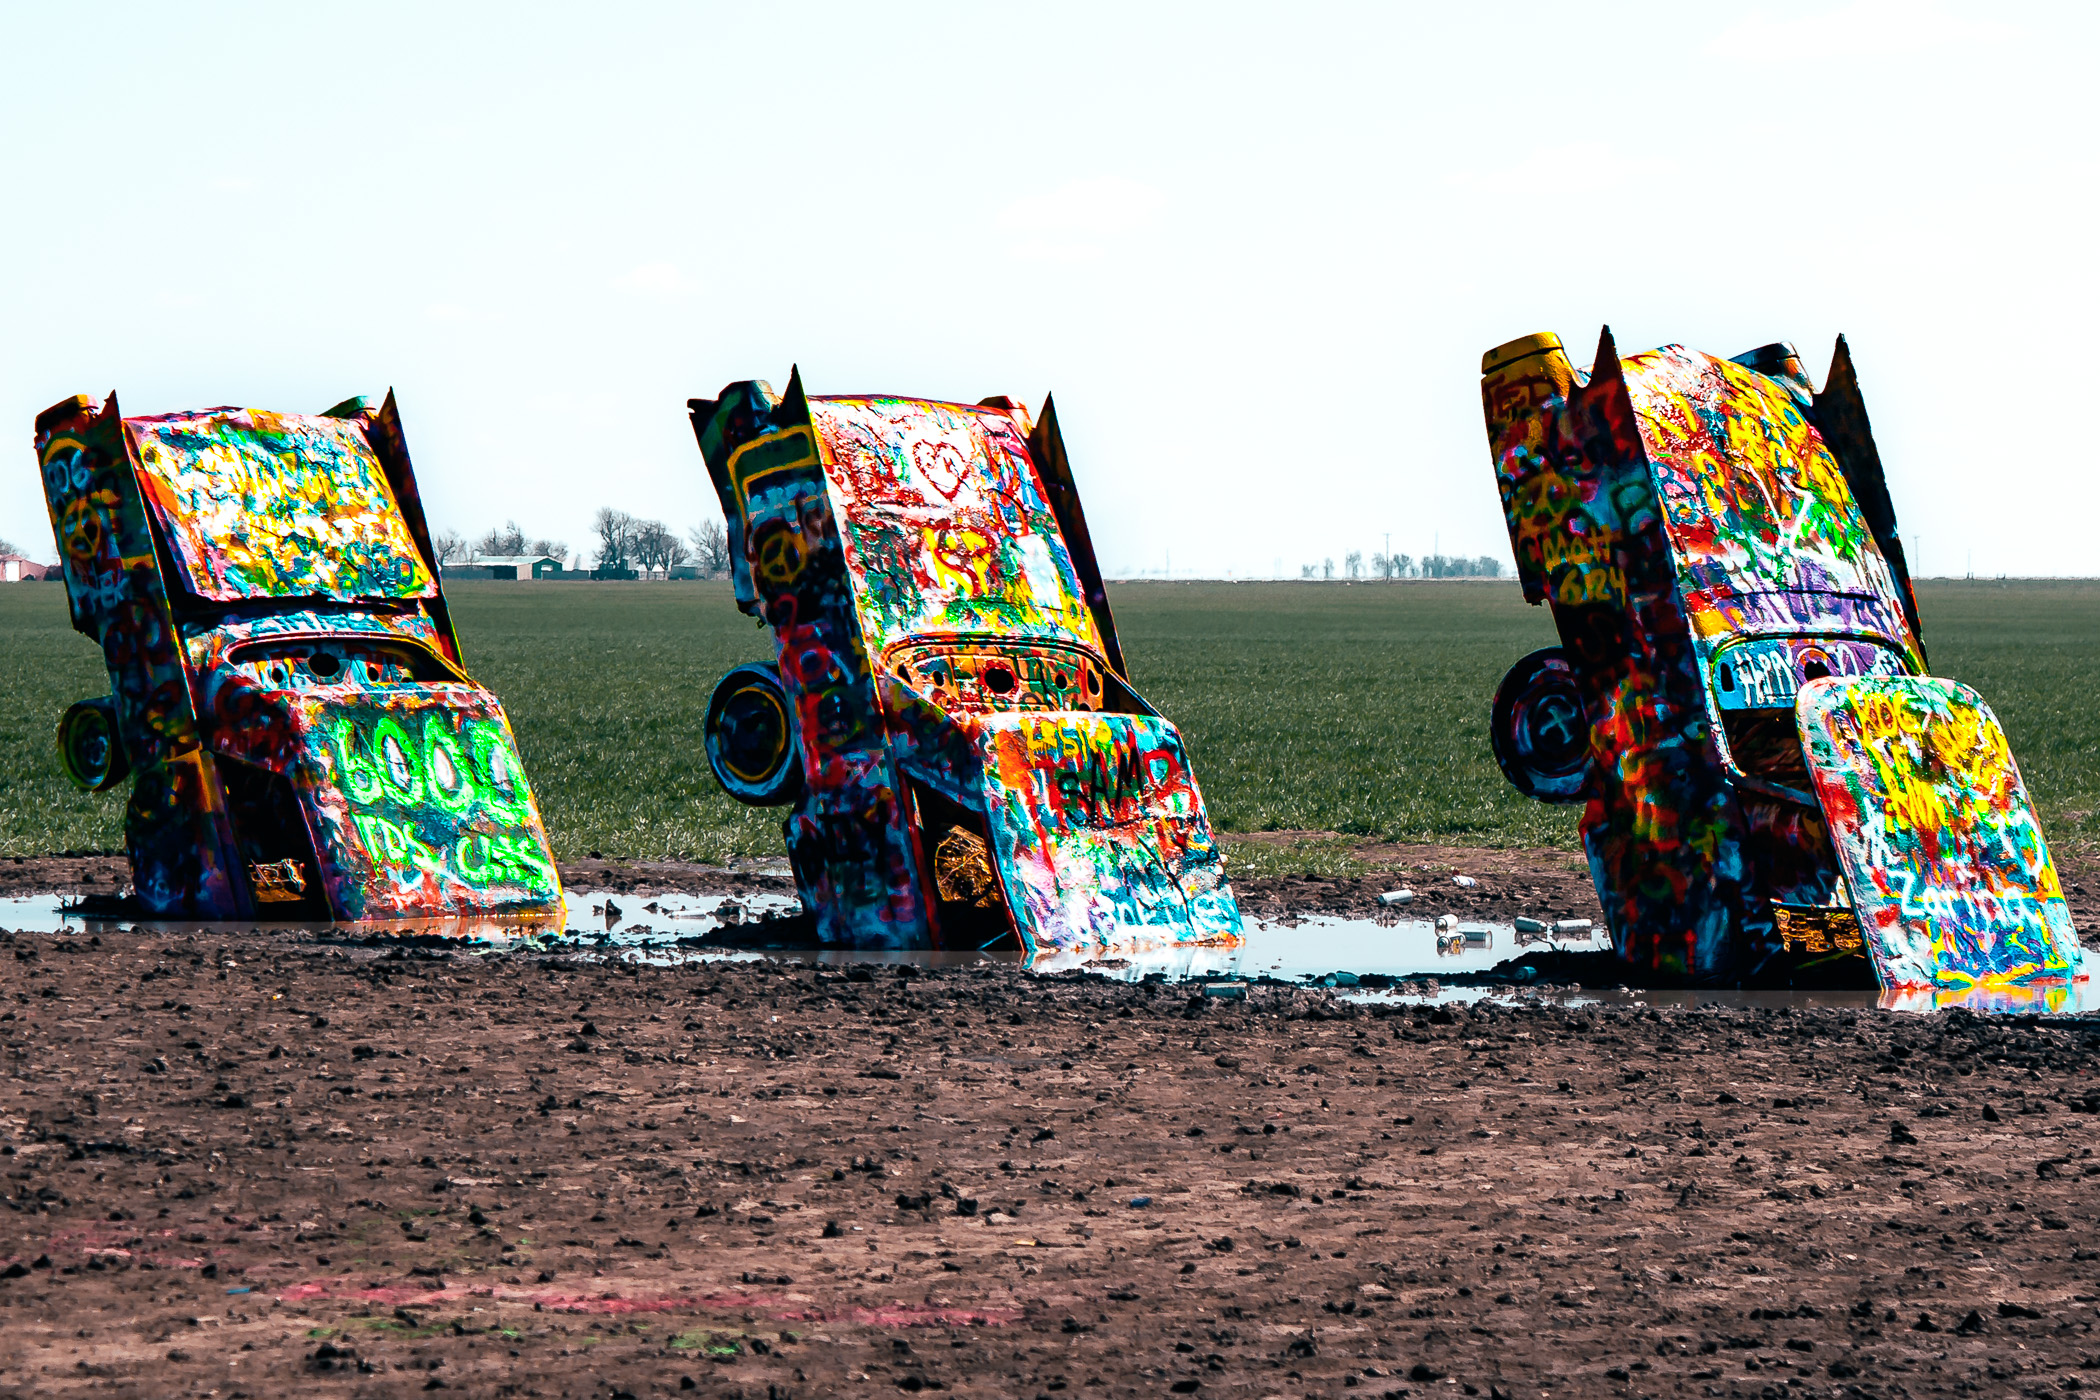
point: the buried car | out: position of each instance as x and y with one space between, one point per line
285 683
948 719
1774 790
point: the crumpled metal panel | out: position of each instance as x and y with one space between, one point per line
277 505
1100 833
945 523
1948 871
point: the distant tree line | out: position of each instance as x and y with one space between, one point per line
1392 566
631 547
627 546
505 542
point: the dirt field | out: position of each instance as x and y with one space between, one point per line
249 1165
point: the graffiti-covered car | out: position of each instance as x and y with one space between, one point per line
286 692
1773 789
948 719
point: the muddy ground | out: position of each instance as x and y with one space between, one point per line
266 1164
1543 884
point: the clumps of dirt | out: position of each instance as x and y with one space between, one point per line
264 1162
74 875
653 877
1488 886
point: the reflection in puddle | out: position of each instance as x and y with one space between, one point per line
616 918
1384 960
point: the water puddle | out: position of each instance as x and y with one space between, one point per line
1386 960
616 919
1337 952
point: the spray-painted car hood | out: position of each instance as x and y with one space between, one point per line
412 791
1950 877
414 795
1098 832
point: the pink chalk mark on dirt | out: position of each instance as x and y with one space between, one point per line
776 1308
98 1242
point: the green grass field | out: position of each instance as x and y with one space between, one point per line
1306 707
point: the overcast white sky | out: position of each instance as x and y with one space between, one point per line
1255 250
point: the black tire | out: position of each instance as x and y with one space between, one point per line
1540 728
89 748
752 746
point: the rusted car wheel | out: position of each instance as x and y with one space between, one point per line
750 738
88 746
1539 729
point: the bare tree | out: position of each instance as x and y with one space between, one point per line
1327 568
656 546
505 543
509 542
447 545
615 530
1353 561
710 548
1390 566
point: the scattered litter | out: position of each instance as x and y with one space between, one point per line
1478 937
1397 897
1570 926
1446 922
240 1290
1140 1202
1231 991
1464 882
1525 925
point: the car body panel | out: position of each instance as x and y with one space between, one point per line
277 505
1950 877
1765 534
946 526
1101 833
